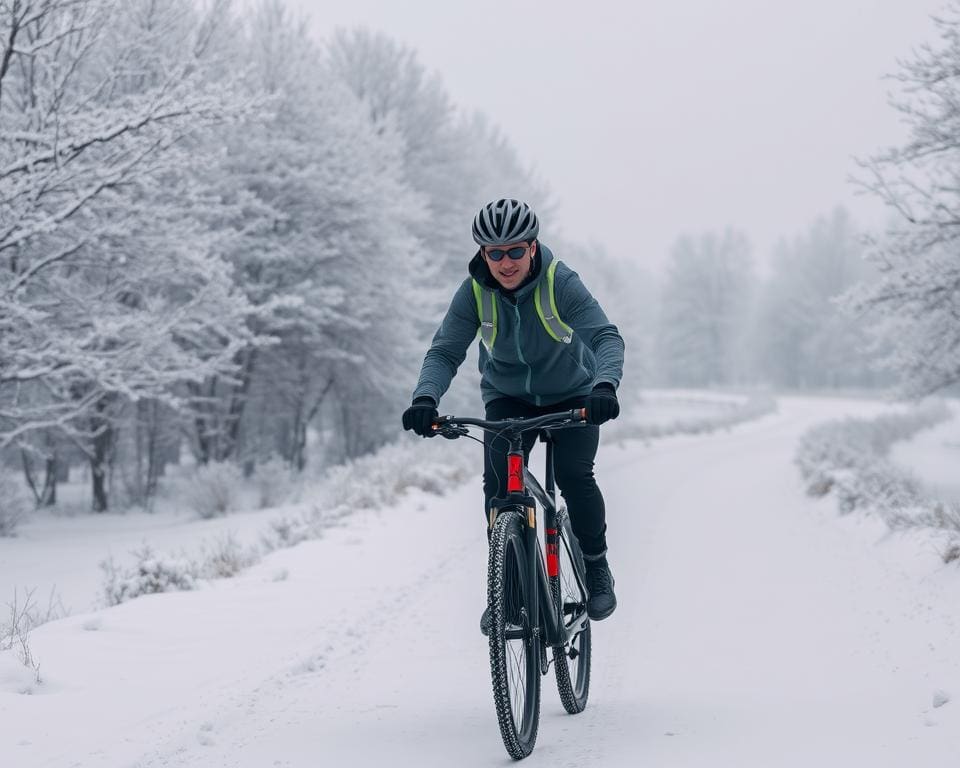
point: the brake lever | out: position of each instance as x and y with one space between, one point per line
451 431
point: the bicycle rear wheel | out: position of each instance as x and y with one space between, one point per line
572 662
514 654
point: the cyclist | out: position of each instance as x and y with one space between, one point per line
546 346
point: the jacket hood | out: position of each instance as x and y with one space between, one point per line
480 272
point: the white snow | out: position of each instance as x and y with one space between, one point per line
933 456
756 627
62 554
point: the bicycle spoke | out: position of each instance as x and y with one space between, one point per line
518 675
572 662
516 686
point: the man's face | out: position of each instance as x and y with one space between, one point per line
507 271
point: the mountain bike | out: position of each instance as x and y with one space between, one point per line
537 600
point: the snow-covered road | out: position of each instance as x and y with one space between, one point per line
755 628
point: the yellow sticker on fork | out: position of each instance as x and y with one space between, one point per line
532 517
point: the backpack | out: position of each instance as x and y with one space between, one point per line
544 299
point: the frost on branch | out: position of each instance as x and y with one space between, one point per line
916 302
103 106
848 458
150 573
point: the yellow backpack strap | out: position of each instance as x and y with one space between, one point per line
544 297
487 313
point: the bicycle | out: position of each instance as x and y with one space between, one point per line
536 602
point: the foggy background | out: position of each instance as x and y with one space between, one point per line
647 120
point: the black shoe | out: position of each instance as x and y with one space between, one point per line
602 601
485 623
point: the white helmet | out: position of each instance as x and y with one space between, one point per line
505 221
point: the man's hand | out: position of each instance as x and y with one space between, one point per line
420 415
602 404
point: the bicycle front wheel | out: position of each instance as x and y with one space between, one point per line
572 662
514 652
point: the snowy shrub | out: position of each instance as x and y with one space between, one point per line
952 553
375 481
848 458
23 616
15 636
378 479
226 557
151 573
272 480
213 490
14 504
287 532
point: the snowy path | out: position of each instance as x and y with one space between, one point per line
755 628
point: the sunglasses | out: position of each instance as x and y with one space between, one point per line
516 253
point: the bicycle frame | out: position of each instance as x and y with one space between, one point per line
520 480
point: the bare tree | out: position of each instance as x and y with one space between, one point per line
916 301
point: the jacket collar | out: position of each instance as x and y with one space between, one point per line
481 273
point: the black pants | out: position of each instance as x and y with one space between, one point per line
574 450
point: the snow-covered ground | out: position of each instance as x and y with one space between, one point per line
755 628
73 543
63 554
659 407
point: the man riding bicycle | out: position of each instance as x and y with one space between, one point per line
546 346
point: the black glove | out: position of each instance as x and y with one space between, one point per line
602 404
419 417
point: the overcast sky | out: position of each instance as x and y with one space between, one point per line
648 119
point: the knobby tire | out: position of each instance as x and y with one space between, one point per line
569 594
514 664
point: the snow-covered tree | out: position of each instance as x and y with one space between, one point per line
628 295
704 309
802 336
402 100
209 225
454 162
100 106
915 304
321 239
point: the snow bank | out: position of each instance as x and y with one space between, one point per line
371 482
849 458
189 547
673 412
150 574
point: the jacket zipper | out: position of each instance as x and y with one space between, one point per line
516 311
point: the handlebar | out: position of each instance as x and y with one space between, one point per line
455 426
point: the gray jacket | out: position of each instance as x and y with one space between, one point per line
525 362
